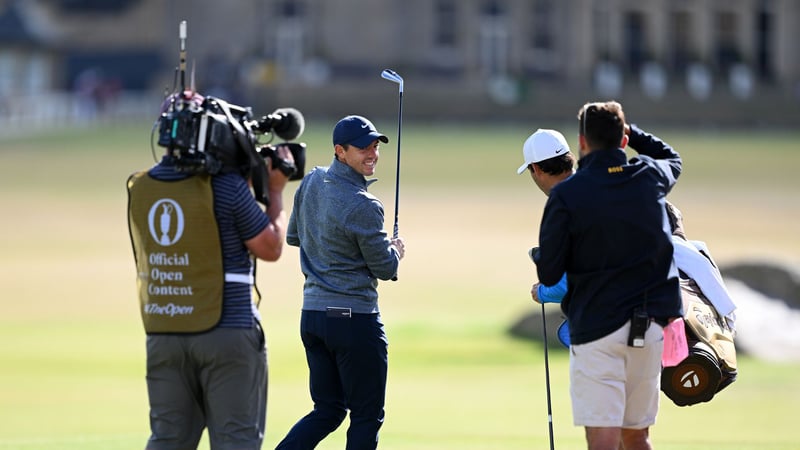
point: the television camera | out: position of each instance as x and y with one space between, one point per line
207 134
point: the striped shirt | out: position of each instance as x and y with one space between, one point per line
239 218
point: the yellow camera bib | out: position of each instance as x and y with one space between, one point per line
178 253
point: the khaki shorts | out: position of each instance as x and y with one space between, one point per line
613 385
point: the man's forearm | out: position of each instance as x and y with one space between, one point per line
277 216
650 145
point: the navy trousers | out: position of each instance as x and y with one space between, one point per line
347 361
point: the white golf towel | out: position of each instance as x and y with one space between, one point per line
694 259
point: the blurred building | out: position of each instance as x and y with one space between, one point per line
677 60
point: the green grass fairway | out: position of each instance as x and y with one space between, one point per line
72 347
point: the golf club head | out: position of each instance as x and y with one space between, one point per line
391 75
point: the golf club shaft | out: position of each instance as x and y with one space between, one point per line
547 380
392 76
397 175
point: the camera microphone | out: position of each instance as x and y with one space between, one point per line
287 123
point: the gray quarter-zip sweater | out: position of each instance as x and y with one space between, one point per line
344 250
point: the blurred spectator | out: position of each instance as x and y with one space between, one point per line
94 92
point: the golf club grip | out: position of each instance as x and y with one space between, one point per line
394 236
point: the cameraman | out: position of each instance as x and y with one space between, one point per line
344 250
195 238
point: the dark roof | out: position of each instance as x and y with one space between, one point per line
133 69
94 6
13 29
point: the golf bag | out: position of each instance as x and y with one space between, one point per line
711 364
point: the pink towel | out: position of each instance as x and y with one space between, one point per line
675 347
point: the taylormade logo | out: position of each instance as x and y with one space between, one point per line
169 309
704 318
690 380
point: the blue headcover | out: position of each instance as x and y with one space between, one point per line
563 333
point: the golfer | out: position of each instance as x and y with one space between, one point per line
606 227
548 159
344 250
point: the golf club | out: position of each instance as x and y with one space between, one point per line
547 379
531 254
392 76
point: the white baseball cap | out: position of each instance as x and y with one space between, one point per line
541 145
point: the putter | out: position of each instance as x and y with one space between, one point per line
392 76
531 254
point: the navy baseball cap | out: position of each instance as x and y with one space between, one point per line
357 131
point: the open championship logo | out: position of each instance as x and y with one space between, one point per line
168 212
